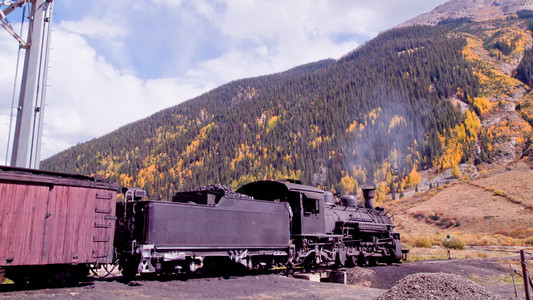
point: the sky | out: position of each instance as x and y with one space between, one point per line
116 62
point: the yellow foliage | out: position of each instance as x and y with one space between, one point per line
318 141
146 175
462 137
352 128
414 177
472 123
514 37
452 155
125 180
272 122
202 135
402 184
493 81
414 157
242 153
456 173
359 173
396 121
482 104
383 173
349 184
382 189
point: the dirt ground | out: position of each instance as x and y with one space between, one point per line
363 283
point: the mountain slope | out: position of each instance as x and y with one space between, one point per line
374 113
488 203
445 99
478 10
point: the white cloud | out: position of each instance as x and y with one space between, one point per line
170 3
89 97
92 26
285 20
284 34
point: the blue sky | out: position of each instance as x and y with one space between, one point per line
115 62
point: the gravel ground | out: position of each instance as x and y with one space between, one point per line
363 283
245 287
487 271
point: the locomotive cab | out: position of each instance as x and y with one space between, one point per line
325 231
306 203
311 211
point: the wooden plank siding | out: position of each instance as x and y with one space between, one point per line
52 218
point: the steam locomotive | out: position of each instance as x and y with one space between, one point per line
261 225
55 226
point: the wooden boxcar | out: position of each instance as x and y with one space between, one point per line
54 222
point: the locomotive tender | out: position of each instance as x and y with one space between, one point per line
263 224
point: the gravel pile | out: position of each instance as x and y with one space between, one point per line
437 286
360 276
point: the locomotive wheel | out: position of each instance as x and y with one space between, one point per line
129 272
129 266
363 260
372 261
351 261
20 279
341 258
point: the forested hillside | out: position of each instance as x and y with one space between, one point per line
376 116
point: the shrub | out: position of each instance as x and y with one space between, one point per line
465 179
453 243
419 215
522 14
456 173
422 242
489 189
529 241
520 233
499 193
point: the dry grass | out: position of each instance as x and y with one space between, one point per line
416 254
515 184
492 280
494 209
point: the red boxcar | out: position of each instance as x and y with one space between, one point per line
51 219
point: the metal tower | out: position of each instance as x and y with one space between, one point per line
27 137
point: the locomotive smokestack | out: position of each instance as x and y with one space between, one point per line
369 192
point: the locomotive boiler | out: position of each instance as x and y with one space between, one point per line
262 224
